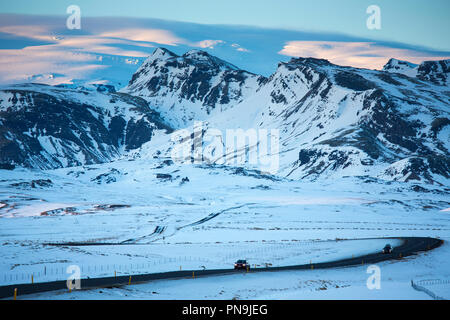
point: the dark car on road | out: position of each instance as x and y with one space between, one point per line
241 264
387 248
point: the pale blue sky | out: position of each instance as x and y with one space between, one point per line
416 22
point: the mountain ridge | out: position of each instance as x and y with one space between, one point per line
49 127
333 120
344 119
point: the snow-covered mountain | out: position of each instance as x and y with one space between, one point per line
436 72
334 121
49 127
192 86
349 121
400 66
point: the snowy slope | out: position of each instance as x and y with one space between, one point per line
350 121
50 127
333 120
213 218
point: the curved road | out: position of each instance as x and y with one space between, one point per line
410 246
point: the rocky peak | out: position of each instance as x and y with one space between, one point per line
196 81
435 71
395 64
162 53
202 57
309 61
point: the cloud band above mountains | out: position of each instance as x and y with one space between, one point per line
36 48
369 55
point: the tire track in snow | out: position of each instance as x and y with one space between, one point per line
213 215
158 231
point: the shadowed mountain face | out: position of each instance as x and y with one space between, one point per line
48 127
436 72
334 121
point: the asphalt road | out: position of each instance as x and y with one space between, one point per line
410 246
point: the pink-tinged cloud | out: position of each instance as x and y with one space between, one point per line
19 65
210 44
38 32
140 37
147 35
86 41
356 54
80 56
101 46
239 48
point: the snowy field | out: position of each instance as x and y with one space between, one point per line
341 283
155 223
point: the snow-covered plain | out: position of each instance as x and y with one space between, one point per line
220 215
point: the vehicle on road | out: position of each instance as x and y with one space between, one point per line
387 249
241 264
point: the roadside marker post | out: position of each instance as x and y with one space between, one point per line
15 293
193 275
129 281
32 280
